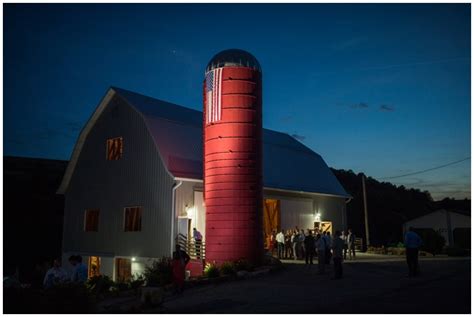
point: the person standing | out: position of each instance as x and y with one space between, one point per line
344 239
309 247
412 244
321 248
351 245
327 238
301 238
288 245
280 238
197 242
178 264
294 243
55 275
79 272
337 247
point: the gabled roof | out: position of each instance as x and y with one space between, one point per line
442 210
177 132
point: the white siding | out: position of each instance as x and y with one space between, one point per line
137 179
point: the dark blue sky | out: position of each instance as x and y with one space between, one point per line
382 89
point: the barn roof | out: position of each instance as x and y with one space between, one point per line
177 132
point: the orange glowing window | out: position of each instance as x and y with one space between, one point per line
133 219
91 220
114 149
94 266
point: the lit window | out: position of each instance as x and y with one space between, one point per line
114 149
91 220
133 219
94 266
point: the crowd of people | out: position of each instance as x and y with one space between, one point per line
297 245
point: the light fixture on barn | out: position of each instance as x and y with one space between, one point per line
317 216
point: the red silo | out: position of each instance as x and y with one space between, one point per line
233 157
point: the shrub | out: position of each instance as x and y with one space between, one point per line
160 273
243 265
433 242
227 268
211 270
136 281
99 284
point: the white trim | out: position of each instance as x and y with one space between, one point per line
81 140
184 179
304 192
173 214
271 188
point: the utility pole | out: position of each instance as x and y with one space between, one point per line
365 212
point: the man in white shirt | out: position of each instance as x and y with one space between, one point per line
344 239
351 245
55 275
280 238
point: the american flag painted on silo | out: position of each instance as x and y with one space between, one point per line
213 95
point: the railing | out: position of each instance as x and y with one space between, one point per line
195 249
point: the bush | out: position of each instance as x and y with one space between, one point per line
227 268
99 284
211 270
136 281
243 265
455 251
160 273
433 242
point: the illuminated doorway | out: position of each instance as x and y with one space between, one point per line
94 266
326 226
271 218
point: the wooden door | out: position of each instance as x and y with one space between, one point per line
123 269
271 216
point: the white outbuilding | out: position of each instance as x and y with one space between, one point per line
453 225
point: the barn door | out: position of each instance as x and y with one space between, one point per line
271 216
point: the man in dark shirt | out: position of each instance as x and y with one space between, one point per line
309 247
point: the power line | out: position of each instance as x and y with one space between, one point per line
427 170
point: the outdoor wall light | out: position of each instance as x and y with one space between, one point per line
317 216
134 259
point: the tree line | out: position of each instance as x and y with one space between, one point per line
389 206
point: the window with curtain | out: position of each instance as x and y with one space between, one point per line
133 219
114 149
91 220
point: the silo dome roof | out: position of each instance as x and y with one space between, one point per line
233 57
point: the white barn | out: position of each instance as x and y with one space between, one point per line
134 182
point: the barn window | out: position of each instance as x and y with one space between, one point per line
91 220
114 149
133 219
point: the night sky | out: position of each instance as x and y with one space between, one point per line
379 89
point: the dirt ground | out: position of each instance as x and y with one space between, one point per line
371 284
